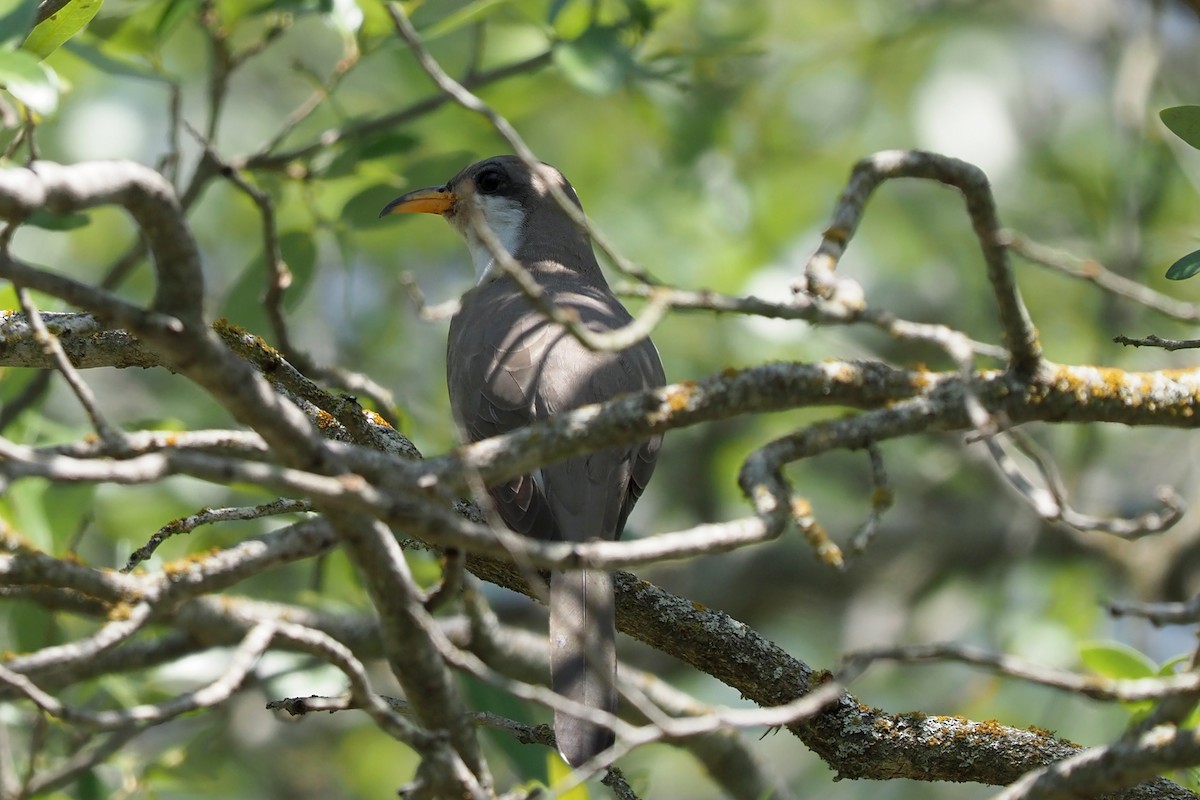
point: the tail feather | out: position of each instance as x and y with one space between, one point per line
583 658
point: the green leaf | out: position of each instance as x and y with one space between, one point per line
243 303
57 222
89 786
1184 122
362 210
597 62
464 16
113 65
52 32
641 14
1168 667
356 155
1116 660
555 9
66 507
137 31
16 20
529 763
559 771
175 12
31 627
28 80
1185 267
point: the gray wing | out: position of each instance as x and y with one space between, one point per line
498 384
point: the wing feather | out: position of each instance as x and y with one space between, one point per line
499 355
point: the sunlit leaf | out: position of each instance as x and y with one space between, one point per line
21 506
1185 267
1116 660
559 771
1184 122
28 80
52 32
1168 667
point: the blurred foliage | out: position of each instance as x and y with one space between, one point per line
710 140
1184 122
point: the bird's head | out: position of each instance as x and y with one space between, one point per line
505 195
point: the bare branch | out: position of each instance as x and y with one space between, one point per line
144 193
1097 687
867 175
1100 770
215 693
209 516
1154 340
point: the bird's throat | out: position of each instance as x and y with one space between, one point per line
506 219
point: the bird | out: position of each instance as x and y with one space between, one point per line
508 365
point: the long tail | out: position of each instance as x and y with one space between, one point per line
583 657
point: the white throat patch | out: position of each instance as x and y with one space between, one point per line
506 218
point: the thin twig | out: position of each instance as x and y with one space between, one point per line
1153 340
1096 687
209 516
1047 495
882 498
265 159
1094 272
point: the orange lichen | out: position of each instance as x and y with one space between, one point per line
1041 731
185 564
679 395
120 611
375 419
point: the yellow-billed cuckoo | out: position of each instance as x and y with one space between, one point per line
507 365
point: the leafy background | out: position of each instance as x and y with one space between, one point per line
710 140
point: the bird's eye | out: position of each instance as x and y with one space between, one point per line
489 181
